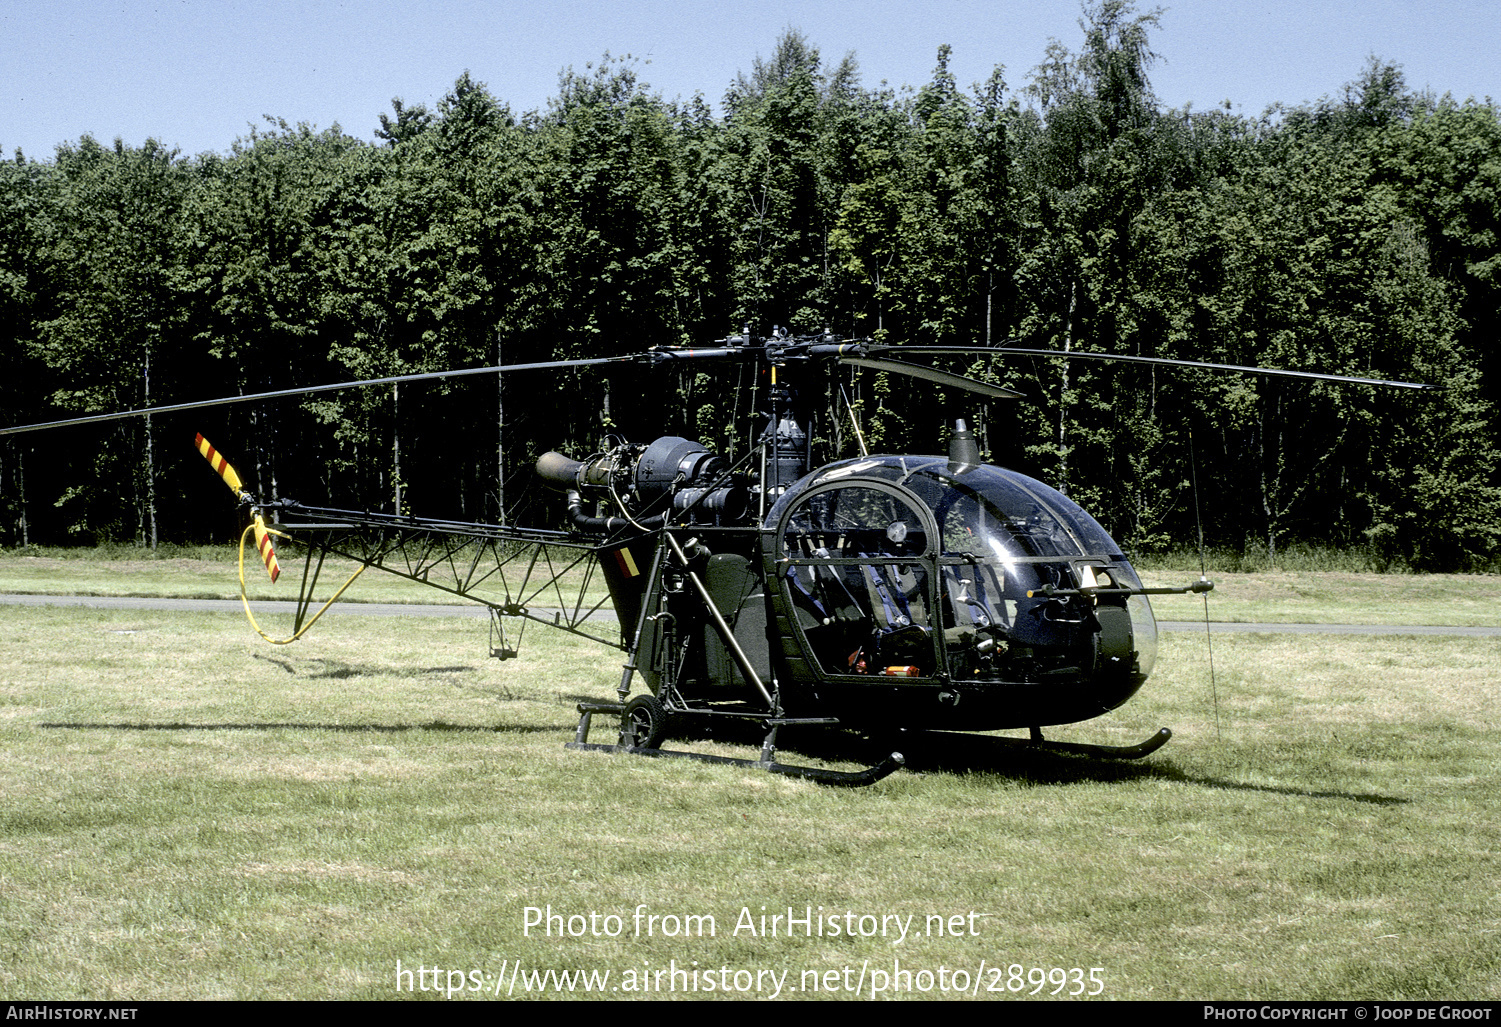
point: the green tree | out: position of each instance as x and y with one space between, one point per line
264 241
114 250
1093 157
788 133
24 299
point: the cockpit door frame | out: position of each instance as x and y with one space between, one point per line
875 568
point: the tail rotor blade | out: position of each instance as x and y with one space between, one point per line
220 465
263 545
262 533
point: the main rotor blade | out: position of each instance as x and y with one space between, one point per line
1166 362
932 375
310 389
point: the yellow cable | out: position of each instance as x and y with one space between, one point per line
246 600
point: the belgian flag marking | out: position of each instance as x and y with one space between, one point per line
627 563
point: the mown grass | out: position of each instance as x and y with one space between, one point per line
1271 596
1253 558
212 572
1333 597
188 813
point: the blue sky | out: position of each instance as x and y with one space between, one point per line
196 73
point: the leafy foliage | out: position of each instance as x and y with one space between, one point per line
1360 234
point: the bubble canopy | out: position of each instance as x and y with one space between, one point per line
966 576
986 511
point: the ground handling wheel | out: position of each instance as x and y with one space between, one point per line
644 723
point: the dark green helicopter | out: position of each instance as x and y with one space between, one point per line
881 592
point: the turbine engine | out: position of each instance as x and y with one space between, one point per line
646 482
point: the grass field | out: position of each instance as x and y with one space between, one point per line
187 812
1285 597
212 573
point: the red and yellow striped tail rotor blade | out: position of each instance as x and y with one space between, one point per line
268 554
220 465
262 533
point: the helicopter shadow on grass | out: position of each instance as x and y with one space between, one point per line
339 671
434 725
1169 772
925 752
960 754
452 675
950 752
333 670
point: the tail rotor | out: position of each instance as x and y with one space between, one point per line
223 468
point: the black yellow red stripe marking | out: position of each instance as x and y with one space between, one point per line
268 554
219 464
222 467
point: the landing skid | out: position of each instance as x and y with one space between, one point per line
1108 752
846 779
836 778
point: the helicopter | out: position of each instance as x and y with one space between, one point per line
876 592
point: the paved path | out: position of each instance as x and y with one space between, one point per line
1218 627
606 615
260 607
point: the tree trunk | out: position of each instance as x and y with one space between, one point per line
500 434
1068 340
21 496
149 497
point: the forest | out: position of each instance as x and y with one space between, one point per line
1356 234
